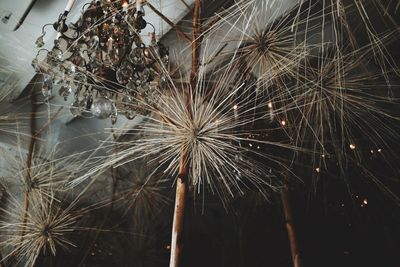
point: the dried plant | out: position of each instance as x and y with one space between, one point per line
266 44
339 105
350 20
45 229
212 125
46 172
141 190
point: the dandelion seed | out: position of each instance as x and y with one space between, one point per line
200 122
327 107
45 230
141 190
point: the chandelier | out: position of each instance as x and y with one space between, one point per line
103 62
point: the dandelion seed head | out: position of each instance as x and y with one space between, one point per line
200 123
141 190
45 228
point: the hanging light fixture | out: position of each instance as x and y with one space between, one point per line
103 61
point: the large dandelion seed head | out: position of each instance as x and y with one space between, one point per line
355 24
141 191
207 128
271 53
262 40
338 103
44 172
44 230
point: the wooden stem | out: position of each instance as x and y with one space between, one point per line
2 192
179 212
28 179
170 23
182 180
107 215
287 209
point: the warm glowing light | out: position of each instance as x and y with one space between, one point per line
125 4
269 104
379 150
365 201
168 247
317 169
283 123
235 107
352 146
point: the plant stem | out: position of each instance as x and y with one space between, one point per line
107 215
170 23
179 211
293 243
29 161
182 179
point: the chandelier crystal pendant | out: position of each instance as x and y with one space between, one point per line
103 62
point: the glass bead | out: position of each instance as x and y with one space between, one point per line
124 73
35 65
130 114
47 87
65 91
102 108
77 107
80 77
40 41
136 56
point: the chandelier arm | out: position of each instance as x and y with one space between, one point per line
154 29
44 26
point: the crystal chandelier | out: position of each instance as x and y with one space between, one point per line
103 61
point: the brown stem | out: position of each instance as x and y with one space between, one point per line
182 180
2 192
1 261
287 209
52 118
29 162
107 215
170 23
24 214
179 211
